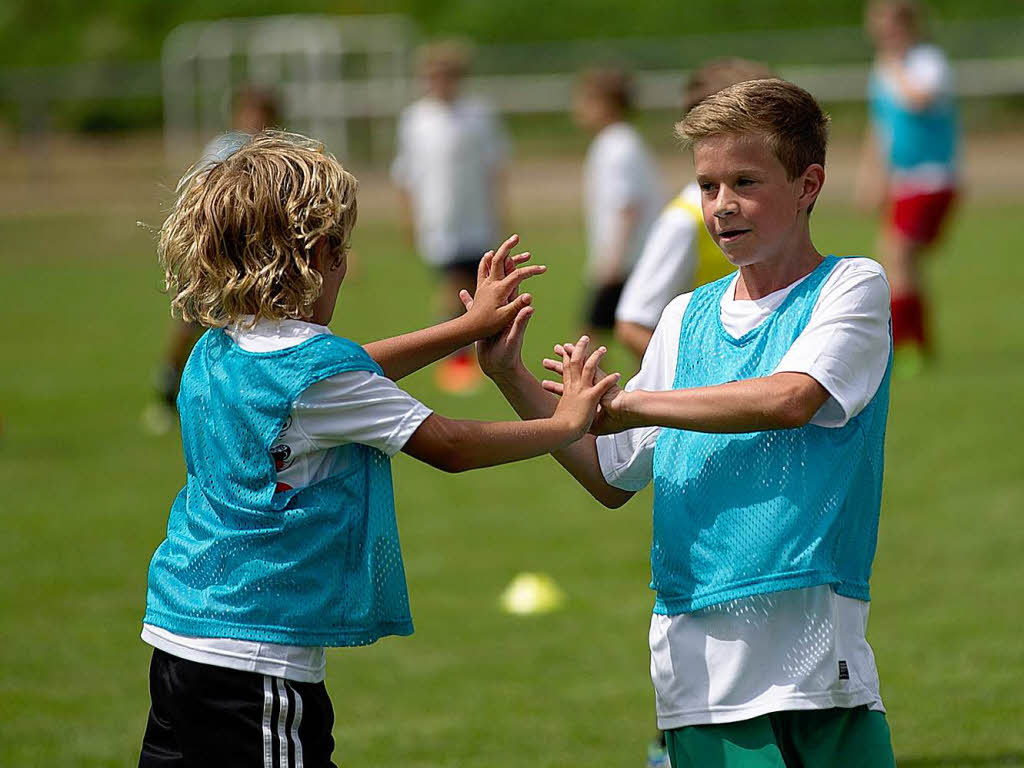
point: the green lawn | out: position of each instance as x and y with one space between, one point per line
86 496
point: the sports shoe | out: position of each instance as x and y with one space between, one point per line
657 755
908 361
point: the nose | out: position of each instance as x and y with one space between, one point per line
725 203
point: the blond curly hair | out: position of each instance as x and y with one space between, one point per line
241 235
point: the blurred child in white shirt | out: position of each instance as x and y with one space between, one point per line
448 168
622 192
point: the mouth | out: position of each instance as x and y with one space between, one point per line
731 235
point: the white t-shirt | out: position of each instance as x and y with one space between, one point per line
667 265
618 173
350 407
781 651
448 157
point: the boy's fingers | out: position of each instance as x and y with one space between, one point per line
484 268
521 258
604 385
580 349
590 367
553 386
552 365
520 322
508 245
523 273
558 349
509 311
467 298
567 369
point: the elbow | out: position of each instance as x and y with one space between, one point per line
612 498
794 409
613 503
453 464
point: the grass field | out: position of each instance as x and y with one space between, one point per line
86 496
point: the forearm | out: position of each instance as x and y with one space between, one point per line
780 401
475 444
525 394
401 355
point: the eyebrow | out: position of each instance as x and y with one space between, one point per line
740 172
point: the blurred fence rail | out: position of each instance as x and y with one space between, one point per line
331 70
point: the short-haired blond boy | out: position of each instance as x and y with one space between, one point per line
760 415
284 539
678 254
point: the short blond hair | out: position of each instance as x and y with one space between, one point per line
787 116
242 232
714 75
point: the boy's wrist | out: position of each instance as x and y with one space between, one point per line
465 329
628 409
510 377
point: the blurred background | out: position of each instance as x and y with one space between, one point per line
103 105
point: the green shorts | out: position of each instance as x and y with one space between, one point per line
845 738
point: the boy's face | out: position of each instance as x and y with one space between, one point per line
888 30
442 81
590 109
751 209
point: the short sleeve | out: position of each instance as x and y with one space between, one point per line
845 346
358 407
667 267
627 458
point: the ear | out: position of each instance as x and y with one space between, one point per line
318 257
809 184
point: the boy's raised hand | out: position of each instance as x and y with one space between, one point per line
609 418
583 385
496 301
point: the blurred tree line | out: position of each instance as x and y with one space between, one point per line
57 32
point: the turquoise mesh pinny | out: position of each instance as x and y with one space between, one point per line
319 565
744 514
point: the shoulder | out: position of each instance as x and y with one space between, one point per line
673 223
672 316
856 285
618 142
927 55
928 66
337 352
856 270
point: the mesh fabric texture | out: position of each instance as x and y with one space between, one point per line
743 514
319 565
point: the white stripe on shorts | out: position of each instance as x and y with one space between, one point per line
282 721
296 721
268 737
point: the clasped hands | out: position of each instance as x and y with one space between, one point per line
500 353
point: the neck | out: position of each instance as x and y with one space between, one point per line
758 280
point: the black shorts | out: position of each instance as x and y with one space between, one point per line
603 302
203 715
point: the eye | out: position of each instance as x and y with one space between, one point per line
707 186
745 181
